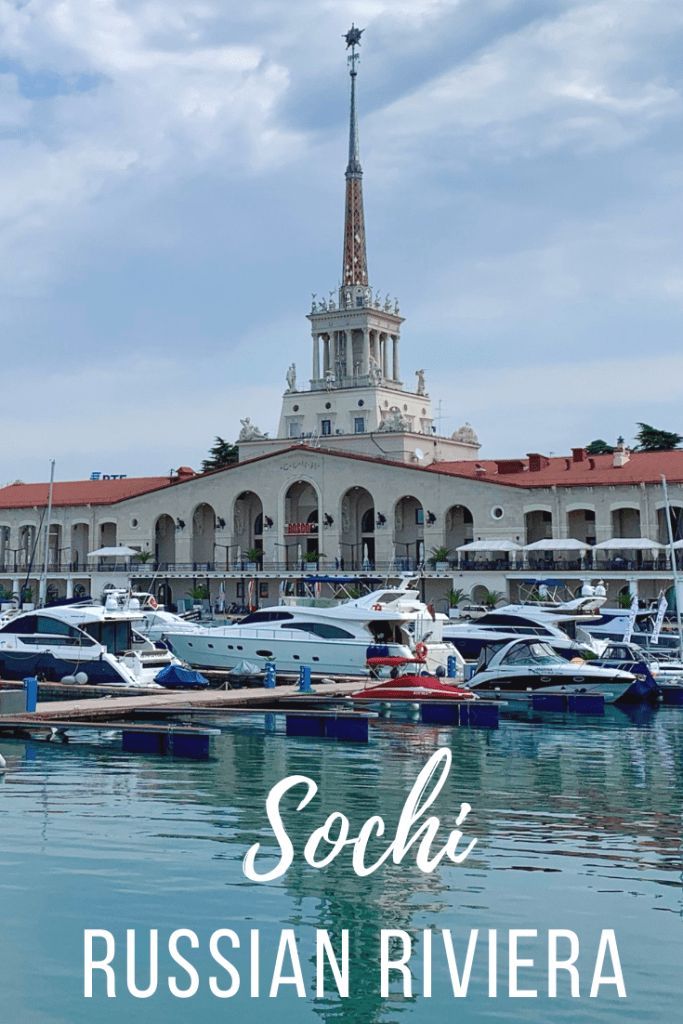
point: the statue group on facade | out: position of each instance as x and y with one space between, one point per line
249 431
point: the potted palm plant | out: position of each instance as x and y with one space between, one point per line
312 558
492 598
439 558
254 558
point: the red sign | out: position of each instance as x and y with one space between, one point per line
301 528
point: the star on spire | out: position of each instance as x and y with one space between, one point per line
352 37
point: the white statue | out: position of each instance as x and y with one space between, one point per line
396 308
347 298
249 431
374 372
378 299
314 304
394 421
421 388
291 377
331 302
387 303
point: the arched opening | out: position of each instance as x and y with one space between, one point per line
538 525
203 535
54 546
26 552
164 541
408 532
581 525
357 534
247 527
80 545
107 535
676 520
5 548
301 540
164 596
459 528
626 522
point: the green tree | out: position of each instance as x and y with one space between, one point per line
651 439
599 447
221 454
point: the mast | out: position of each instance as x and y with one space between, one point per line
672 558
42 589
355 260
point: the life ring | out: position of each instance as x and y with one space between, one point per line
153 603
377 607
421 651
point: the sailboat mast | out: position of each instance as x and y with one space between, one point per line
672 558
42 590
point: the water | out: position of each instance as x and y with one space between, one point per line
579 827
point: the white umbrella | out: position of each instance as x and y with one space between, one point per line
121 552
299 553
562 544
490 545
421 552
629 544
366 558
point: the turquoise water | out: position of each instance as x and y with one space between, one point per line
578 823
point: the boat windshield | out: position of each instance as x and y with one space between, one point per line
536 653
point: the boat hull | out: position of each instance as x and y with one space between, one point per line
522 685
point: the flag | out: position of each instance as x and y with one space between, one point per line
661 612
631 620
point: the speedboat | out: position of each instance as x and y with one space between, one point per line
328 637
407 683
84 643
525 666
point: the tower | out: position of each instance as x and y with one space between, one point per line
355 391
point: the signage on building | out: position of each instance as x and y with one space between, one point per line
302 527
97 475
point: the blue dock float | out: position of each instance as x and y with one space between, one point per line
468 713
194 746
579 703
348 728
671 695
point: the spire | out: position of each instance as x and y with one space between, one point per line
355 262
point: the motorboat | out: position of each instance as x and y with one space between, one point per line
517 668
329 637
614 624
408 683
566 632
84 643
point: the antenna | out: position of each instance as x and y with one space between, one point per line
419 454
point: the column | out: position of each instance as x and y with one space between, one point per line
397 369
316 357
348 335
385 356
365 354
326 353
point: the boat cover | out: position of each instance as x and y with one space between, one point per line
175 676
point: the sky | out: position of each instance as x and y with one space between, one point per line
171 193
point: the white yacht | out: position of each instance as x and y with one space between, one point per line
566 632
336 638
527 665
80 643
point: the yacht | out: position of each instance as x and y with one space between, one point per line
613 624
566 632
336 638
81 643
529 665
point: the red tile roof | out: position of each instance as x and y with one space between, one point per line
577 470
80 492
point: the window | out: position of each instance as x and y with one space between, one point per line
359 300
326 427
322 629
294 428
266 617
420 516
359 425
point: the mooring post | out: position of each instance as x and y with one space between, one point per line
31 687
305 679
270 680
451 667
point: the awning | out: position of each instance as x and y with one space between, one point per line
558 544
116 552
490 545
629 544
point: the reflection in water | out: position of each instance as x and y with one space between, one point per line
578 823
